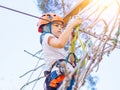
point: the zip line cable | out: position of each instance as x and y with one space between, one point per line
22 12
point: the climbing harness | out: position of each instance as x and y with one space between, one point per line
54 78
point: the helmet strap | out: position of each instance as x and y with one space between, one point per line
45 29
50 27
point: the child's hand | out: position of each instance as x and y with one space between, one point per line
75 21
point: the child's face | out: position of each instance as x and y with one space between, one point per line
57 27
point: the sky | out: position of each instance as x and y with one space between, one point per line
19 32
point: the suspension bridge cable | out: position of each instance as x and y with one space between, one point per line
21 12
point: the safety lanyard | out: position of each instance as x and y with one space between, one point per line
72 47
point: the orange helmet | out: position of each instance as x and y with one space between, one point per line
47 18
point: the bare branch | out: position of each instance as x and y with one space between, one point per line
31 70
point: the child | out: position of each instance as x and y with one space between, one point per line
53 40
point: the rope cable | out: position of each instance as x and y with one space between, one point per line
22 12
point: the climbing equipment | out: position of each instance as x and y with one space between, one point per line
55 77
50 17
